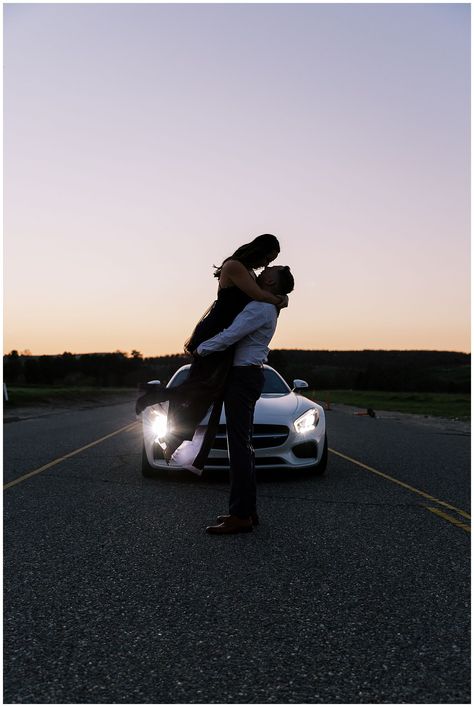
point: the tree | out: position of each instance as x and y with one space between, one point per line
12 367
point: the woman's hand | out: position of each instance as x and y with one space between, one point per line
284 302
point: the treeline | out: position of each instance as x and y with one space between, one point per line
409 371
100 369
421 371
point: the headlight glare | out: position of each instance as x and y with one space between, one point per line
307 421
159 425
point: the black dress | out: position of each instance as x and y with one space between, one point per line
229 303
204 388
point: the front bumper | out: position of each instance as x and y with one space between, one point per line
290 450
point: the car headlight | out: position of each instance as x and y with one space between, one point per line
307 421
159 424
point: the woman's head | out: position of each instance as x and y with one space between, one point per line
256 254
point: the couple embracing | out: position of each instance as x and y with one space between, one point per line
229 347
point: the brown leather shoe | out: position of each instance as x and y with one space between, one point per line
254 517
232 524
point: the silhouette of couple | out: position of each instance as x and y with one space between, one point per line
229 347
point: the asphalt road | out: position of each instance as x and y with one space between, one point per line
350 590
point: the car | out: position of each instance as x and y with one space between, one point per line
289 430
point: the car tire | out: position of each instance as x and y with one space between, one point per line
147 470
321 468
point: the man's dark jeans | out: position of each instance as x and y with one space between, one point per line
244 387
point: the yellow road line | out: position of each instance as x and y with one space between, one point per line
449 518
66 456
402 483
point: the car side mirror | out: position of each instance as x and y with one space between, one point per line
299 384
154 382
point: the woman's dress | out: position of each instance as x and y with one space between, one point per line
204 388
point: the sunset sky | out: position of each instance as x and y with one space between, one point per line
145 143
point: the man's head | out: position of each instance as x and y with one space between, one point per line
277 279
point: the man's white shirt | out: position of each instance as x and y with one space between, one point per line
253 329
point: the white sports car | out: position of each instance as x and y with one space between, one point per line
289 430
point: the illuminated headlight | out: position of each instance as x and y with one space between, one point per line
159 425
307 422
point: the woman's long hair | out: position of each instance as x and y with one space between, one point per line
251 254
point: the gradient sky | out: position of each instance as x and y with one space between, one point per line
143 143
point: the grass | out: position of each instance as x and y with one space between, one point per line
39 395
450 405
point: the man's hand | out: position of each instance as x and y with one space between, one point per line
284 302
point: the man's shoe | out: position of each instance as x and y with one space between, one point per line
254 517
232 524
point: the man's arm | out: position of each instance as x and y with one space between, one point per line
252 317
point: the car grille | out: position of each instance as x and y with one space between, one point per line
264 436
259 461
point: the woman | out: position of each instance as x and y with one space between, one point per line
204 387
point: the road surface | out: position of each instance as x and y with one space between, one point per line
350 590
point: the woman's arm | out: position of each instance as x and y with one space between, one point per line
238 274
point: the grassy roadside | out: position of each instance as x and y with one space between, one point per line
450 405
33 395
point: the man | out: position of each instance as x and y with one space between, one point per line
252 330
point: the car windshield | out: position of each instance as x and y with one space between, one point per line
273 383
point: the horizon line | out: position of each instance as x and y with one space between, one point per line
183 353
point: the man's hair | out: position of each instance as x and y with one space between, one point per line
286 281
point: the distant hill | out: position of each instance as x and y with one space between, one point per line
423 371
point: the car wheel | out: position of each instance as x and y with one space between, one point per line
147 470
320 468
